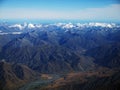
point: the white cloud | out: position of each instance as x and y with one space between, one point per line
111 12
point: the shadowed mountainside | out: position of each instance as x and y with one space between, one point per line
54 49
13 76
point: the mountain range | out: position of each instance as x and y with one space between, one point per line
60 48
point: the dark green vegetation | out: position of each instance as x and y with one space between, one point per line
57 50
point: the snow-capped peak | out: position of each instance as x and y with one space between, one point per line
102 25
30 25
69 25
59 24
17 26
91 24
64 25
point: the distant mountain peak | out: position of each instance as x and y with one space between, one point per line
30 25
17 26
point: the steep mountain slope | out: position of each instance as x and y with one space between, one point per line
52 48
107 55
13 76
60 49
44 56
4 39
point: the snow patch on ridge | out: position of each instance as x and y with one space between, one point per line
69 25
30 25
101 25
17 26
16 32
65 25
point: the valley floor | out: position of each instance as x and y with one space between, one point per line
103 79
40 83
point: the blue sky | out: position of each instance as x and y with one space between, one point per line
103 10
